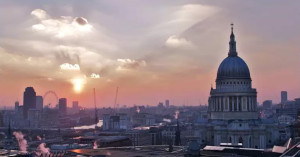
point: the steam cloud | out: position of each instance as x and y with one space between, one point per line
42 150
21 141
39 138
108 154
176 114
95 145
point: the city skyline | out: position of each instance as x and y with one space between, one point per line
149 57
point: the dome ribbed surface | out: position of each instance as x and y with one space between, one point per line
233 68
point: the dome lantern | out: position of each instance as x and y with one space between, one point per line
232 44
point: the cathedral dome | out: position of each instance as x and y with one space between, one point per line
233 67
233 98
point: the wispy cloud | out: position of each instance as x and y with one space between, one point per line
130 64
177 42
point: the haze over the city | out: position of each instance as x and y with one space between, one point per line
151 50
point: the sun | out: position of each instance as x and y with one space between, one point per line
78 84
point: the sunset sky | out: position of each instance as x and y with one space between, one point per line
151 49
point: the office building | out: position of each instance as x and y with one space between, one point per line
29 101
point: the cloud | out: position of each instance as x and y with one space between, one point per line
181 18
175 42
130 64
190 14
68 66
95 76
64 26
39 14
81 20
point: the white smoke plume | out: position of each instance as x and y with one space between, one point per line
108 153
138 110
95 145
42 150
21 141
176 114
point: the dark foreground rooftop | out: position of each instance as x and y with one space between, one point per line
141 151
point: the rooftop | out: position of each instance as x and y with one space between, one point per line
141 151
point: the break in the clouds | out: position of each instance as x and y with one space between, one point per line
63 26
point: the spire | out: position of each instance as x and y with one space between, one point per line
177 135
232 44
9 134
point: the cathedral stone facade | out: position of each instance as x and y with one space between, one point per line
233 115
234 97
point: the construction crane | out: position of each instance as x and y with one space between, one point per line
116 98
96 115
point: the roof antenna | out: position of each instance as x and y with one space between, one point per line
96 114
116 98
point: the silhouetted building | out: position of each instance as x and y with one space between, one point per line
160 105
116 122
177 135
39 102
17 105
62 106
267 104
297 102
34 117
289 108
167 103
75 106
284 96
29 101
9 134
233 114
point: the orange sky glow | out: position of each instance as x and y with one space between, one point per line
170 50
